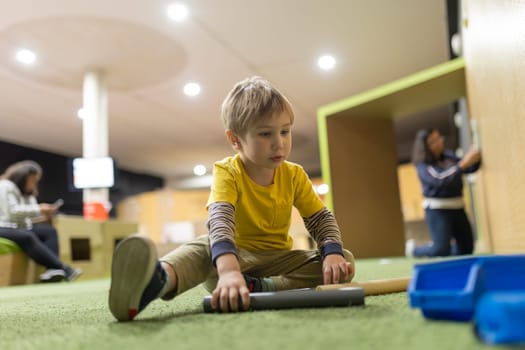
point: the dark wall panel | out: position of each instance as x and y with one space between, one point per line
55 182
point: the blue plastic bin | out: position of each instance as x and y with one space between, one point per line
450 289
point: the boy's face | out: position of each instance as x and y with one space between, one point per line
267 142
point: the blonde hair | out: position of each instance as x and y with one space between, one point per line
250 99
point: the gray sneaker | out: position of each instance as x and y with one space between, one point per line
52 275
136 277
72 273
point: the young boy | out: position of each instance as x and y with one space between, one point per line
248 248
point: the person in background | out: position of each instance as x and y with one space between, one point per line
441 174
248 248
18 207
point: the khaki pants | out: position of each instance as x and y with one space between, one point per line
289 269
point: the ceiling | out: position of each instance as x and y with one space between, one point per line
147 59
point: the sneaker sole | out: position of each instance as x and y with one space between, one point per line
53 279
132 267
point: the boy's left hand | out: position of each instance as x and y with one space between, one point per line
336 269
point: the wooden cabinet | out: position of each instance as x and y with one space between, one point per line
89 244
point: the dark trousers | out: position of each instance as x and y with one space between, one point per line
29 242
445 225
47 235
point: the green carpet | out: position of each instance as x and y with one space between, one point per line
75 316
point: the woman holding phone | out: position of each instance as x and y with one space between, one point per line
18 209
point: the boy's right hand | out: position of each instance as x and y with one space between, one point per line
230 287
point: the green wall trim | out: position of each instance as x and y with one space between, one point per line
383 99
322 131
455 65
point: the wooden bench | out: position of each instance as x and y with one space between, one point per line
15 265
86 244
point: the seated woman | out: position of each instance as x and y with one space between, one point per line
18 206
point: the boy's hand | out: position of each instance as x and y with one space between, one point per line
230 287
336 269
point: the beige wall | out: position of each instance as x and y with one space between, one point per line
494 50
410 193
153 210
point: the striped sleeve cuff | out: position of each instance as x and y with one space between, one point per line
331 248
221 248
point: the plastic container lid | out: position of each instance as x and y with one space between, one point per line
500 317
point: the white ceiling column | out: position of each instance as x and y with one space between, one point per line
95 130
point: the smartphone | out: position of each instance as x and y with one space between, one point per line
58 203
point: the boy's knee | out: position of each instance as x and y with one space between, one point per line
348 256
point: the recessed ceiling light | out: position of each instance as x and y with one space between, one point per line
81 113
192 89
326 62
199 170
177 11
26 56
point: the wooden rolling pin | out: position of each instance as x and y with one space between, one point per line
373 287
